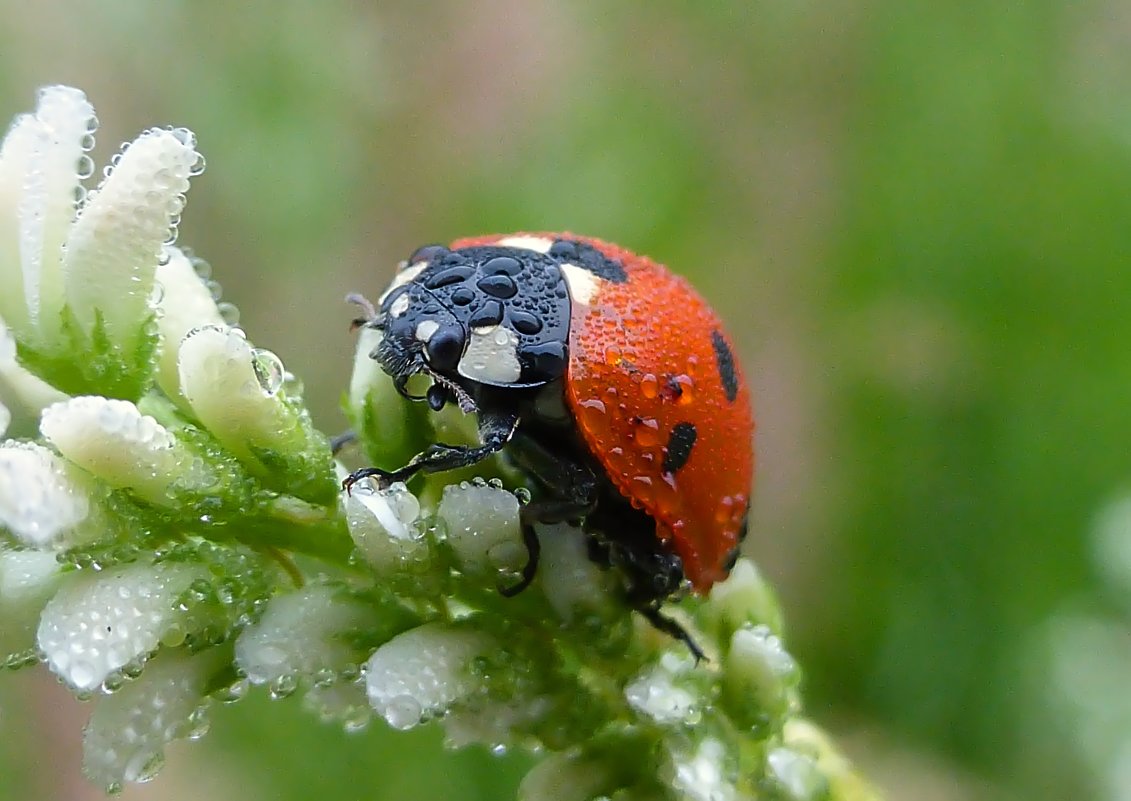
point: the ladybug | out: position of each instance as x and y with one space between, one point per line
602 375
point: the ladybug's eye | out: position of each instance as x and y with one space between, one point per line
445 347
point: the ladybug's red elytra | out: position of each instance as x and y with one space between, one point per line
608 379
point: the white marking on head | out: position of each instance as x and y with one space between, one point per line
402 278
400 306
582 284
426 329
539 244
492 357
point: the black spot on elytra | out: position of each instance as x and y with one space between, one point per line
680 443
725 360
589 258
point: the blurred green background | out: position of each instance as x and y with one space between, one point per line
916 217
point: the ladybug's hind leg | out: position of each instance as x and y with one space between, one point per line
659 620
651 570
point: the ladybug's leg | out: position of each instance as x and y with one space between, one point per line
654 573
574 486
495 430
665 624
341 441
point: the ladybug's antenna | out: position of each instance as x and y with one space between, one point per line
371 316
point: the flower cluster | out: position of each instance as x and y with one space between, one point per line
173 534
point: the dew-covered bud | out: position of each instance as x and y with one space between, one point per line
420 674
703 773
483 528
303 634
114 246
43 503
796 775
377 412
744 599
186 303
759 682
235 391
384 526
27 581
667 692
113 440
99 623
41 163
127 734
572 582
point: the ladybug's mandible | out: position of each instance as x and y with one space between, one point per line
604 376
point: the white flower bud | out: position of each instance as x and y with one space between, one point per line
419 674
797 774
759 677
99 623
113 440
703 775
234 390
571 581
658 694
42 502
186 303
744 599
114 246
382 525
16 153
41 163
483 527
125 740
366 372
27 580
301 633
5 419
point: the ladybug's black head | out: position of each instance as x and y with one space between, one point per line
477 316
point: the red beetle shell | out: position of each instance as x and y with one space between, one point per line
662 405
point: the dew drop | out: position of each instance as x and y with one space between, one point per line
143 767
268 370
198 724
229 312
85 167
202 268
356 720
403 712
283 687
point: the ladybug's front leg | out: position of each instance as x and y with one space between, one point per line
495 431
